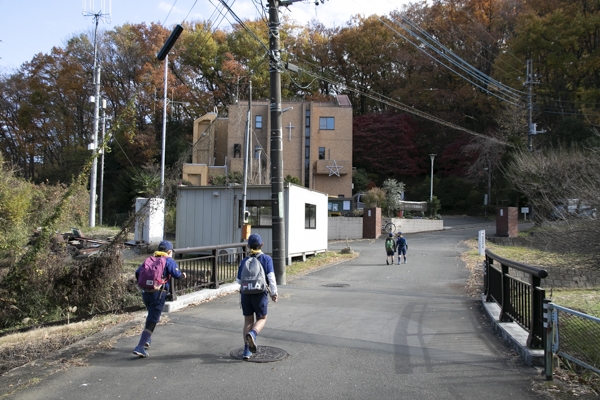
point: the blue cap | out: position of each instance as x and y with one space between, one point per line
254 241
399 233
390 234
165 245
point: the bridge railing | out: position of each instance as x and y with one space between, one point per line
520 301
207 266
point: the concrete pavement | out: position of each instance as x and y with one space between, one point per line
393 332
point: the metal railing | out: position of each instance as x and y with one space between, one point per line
572 335
520 301
208 267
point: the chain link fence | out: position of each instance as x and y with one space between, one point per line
575 337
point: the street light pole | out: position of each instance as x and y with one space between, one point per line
432 156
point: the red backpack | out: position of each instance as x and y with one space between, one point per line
150 275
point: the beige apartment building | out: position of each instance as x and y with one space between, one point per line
317 144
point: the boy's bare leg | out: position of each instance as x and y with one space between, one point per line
249 324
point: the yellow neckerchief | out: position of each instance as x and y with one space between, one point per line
256 252
161 254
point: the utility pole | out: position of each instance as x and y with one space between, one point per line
277 204
531 127
101 199
277 219
432 157
246 156
88 11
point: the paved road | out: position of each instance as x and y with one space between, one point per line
396 332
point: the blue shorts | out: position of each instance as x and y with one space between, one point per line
154 302
402 250
255 304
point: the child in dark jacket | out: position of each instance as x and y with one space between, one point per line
154 299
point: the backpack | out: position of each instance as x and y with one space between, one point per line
150 275
253 280
389 244
402 242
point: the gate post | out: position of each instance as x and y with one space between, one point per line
548 327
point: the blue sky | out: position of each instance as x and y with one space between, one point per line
29 27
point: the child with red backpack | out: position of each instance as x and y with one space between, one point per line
153 278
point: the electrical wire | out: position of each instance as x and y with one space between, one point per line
167 17
188 14
444 52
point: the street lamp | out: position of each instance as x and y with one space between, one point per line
432 156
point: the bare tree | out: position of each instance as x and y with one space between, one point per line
563 186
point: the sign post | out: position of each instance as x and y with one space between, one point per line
481 242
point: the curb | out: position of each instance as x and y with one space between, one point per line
513 334
197 297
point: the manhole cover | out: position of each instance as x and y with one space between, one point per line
336 285
263 354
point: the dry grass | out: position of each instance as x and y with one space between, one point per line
299 268
20 348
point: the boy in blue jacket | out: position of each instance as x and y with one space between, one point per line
154 300
255 305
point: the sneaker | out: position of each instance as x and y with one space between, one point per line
251 339
247 354
387 262
140 352
405 262
147 344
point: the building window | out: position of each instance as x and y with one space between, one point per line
260 213
310 216
327 123
258 121
321 153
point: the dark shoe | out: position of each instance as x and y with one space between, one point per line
251 339
387 262
140 352
247 354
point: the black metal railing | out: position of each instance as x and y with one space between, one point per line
207 267
520 301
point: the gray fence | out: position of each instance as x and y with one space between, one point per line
572 335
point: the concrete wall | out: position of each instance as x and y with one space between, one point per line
345 228
405 225
352 227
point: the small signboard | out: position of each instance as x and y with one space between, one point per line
481 242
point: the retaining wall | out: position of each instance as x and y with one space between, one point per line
352 227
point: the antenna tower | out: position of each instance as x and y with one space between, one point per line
101 13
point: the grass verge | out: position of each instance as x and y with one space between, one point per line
569 381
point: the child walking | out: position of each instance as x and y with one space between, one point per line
390 247
154 299
401 246
254 306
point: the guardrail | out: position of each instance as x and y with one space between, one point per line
209 267
519 301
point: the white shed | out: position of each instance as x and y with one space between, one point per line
212 215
